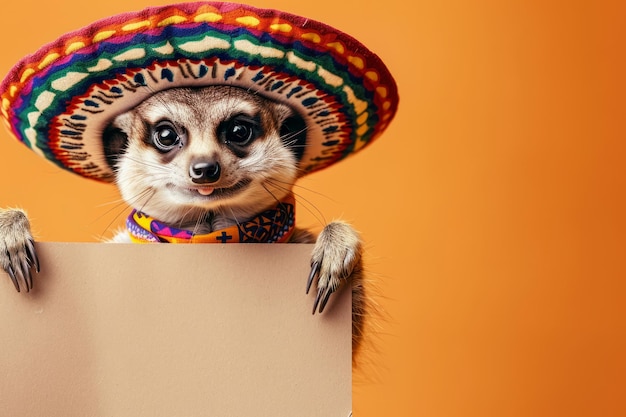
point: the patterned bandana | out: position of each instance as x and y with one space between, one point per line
274 225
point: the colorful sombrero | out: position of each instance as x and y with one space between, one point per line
59 100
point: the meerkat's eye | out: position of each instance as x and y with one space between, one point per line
239 131
165 136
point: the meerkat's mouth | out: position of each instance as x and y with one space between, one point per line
217 192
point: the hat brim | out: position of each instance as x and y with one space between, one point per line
58 100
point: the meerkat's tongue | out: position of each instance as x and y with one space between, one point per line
206 190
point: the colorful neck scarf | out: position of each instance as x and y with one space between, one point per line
274 225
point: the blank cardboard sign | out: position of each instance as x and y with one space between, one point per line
121 330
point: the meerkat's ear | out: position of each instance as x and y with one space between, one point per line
293 130
115 137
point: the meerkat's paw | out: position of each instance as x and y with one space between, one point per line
335 255
17 249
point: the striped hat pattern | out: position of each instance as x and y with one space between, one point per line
58 100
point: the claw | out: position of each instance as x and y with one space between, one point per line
329 292
322 299
14 278
32 255
28 280
317 299
315 268
19 273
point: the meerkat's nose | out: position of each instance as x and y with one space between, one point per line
205 172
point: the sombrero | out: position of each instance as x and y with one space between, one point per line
58 100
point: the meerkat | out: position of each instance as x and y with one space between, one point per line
201 160
204 114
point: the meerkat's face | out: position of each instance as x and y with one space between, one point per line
184 152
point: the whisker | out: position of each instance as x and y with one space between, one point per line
185 214
163 168
316 214
292 135
152 192
199 221
112 202
232 212
272 194
125 206
275 198
116 204
296 185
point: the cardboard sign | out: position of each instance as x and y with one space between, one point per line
173 330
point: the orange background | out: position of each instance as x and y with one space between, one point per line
493 207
